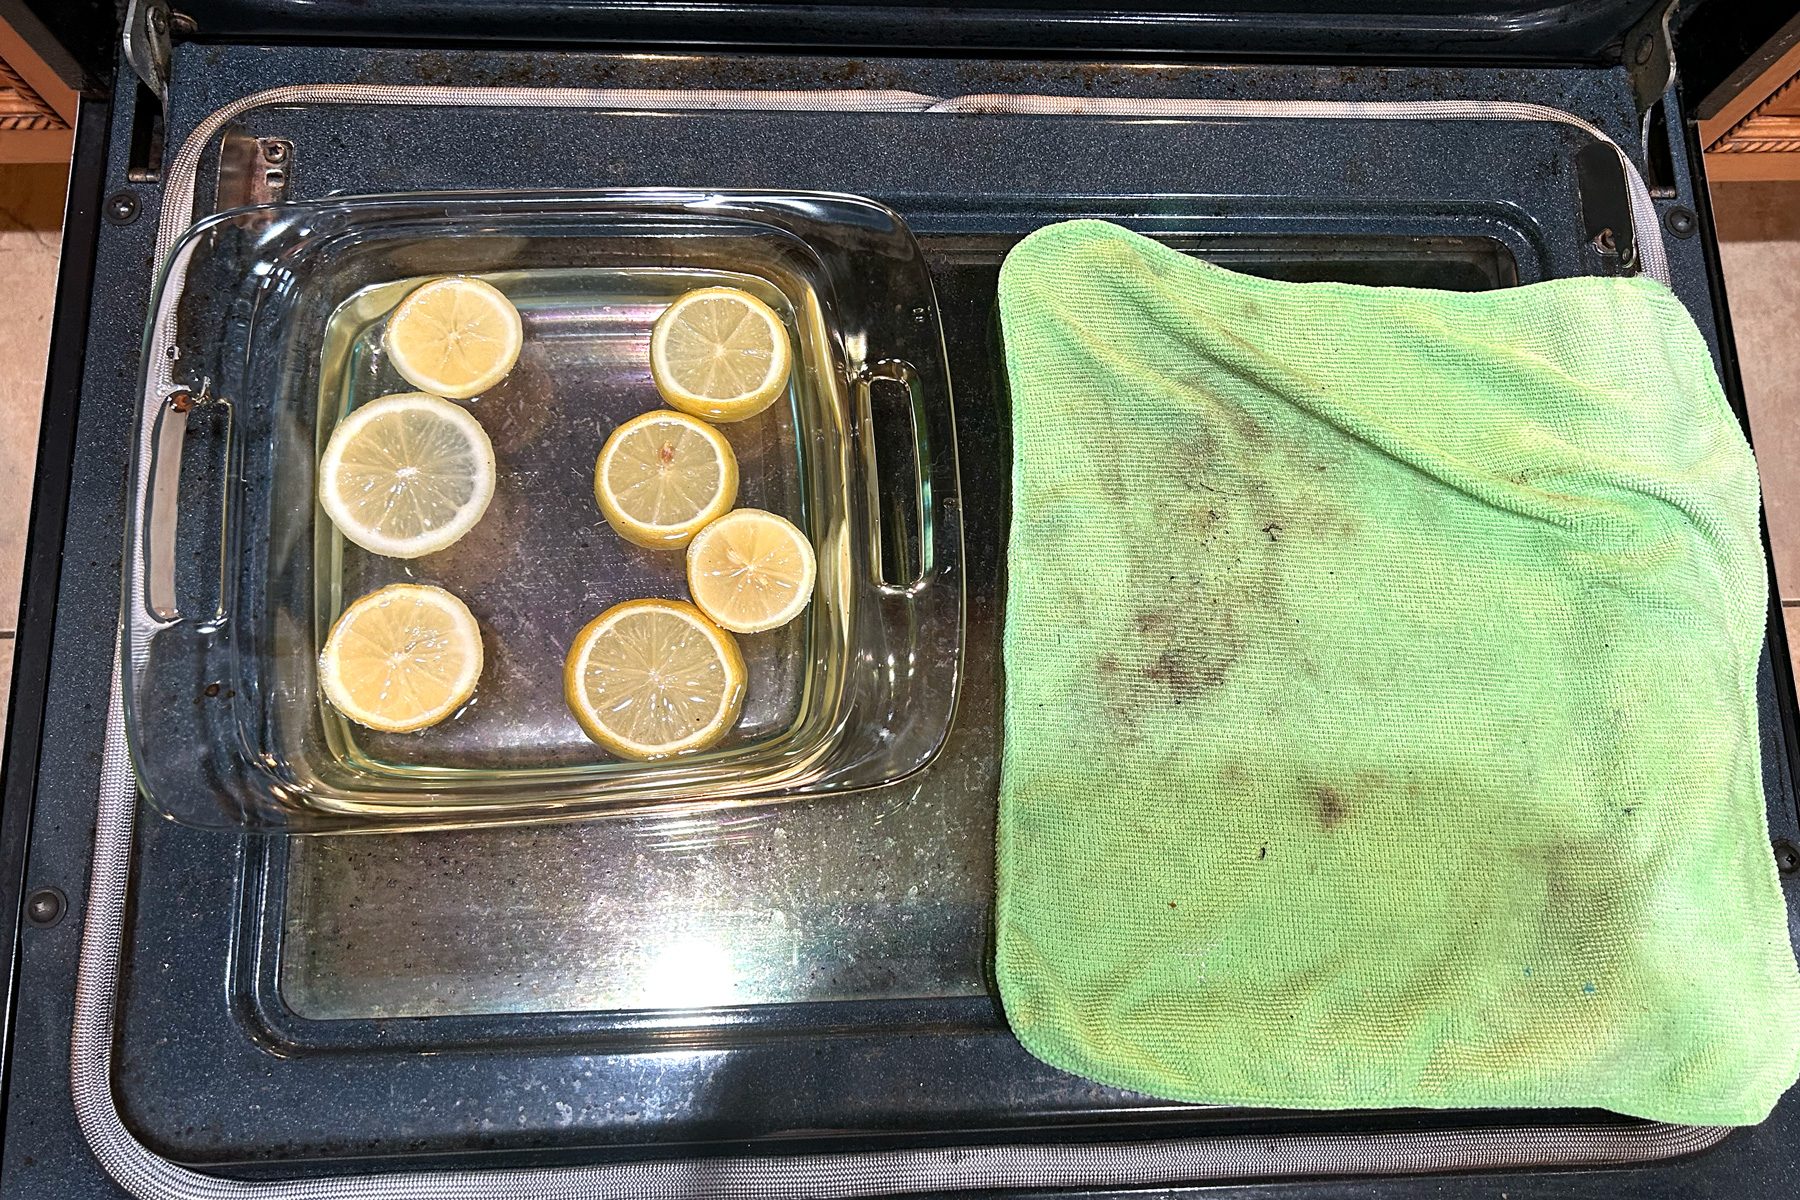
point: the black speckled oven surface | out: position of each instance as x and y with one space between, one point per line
567 980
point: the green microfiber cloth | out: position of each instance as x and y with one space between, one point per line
1380 695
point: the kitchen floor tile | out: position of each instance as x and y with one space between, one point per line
1759 245
31 206
1791 618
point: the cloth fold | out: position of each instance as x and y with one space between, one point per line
1380 718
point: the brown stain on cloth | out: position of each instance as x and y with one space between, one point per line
1231 538
1330 806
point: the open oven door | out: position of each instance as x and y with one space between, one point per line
794 1000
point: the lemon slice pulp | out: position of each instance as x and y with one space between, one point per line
719 353
652 678
454 337
406 475
401 658
751 570
662 476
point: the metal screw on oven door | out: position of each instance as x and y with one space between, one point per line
122 208
1681 222
1787 856
45 907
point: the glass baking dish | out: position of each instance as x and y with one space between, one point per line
272 319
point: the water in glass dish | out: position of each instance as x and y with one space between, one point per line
543 561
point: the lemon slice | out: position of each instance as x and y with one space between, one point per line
751 570
454 337
401 658
406 475
651 678
662 476
719 353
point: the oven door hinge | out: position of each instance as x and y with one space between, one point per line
147 27
148 30
1649 55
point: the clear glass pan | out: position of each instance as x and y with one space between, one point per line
237 575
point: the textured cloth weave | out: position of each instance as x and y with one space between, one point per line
1380 722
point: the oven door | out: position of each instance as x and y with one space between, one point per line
794 1000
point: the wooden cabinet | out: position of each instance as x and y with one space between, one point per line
1754 133
37 110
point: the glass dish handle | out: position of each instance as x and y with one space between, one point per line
185 507
908 442
909 448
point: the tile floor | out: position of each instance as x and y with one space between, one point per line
31 209
1759 232
1759 244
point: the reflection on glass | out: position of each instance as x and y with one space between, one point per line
689 974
